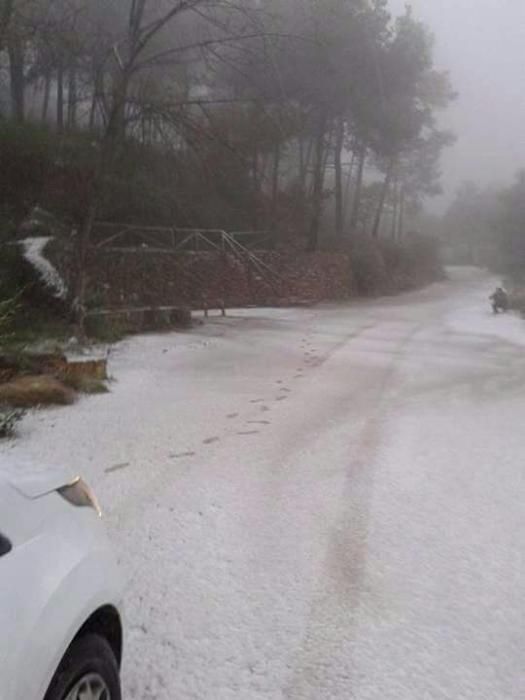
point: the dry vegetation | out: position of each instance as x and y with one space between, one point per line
31 391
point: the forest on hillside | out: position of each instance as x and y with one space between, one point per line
211 113
315 121
485 225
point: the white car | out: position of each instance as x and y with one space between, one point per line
60 592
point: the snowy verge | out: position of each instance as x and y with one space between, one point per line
478 319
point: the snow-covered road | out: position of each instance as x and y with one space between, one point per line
316 504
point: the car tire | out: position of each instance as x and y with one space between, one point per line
89 659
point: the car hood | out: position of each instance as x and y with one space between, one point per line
34 481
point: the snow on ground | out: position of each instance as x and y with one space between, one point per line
469 318
315 503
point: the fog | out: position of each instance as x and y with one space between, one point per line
482 44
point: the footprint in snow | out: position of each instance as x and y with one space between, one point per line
281 398
256 400
258 422
209 440
116 467
180 455
248 432
232 415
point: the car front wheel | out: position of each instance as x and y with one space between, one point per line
88 671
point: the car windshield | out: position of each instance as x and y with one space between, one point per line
262 300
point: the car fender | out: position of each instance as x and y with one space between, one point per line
92 583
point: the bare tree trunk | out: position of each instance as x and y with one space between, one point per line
79 301
93 111
306 158
356 204
401 223
263 169
255 187
327 147
108 153
395 192
151 133
113 137
98 90
105 163
16 78
116 127
136 14
318 183
308 161
339 194
72 98
5 21
348 188
382 199
60 95
302 161
275 180
47 92
138 38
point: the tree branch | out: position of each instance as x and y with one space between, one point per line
159 58
149 31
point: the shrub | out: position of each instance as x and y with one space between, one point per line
368 266
106 329
86 385
384 266
26 152
517 300
8 309
424 259
9 417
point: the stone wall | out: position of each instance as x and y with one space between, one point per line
140 277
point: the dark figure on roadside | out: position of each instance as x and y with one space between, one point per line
500 300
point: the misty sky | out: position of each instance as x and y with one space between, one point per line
482 43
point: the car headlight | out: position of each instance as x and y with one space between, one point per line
79 494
